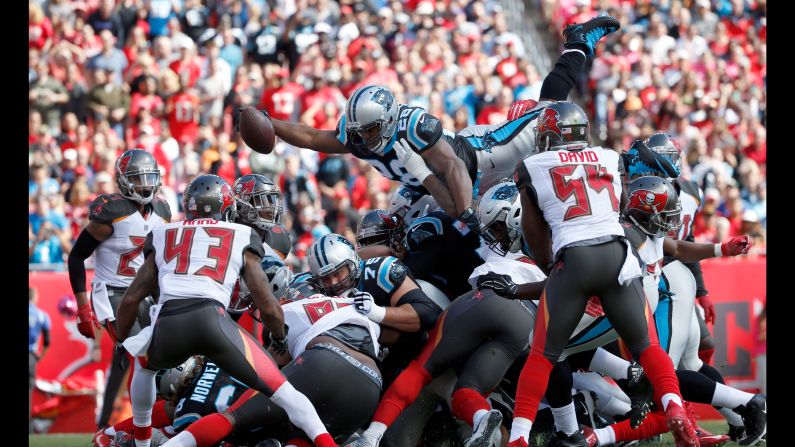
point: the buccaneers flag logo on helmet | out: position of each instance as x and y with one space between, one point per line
245 188
548 121
227 197
123 162
646 200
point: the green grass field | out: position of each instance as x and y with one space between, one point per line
84 440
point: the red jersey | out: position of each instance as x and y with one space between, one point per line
182 116
191 69
149 102
492 115
39 34
280 102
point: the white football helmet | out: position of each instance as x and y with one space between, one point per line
328 256
500 214
410 205
371 116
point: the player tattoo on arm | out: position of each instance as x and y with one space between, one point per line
144 284
269 308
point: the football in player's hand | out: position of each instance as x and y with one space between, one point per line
256 130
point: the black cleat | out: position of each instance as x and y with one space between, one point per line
736 432
754 415
576 439
641 394
583 36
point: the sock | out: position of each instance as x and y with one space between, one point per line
559 82
403 391
731 417
706 355
612 406
671 397
609 364
532 384
565 419
605 436
324 440
466 403
520 428
299 410
297 442
660 371
210 430
375 431
653 425
142 397
726 396
183 439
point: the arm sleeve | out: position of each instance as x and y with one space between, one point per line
84 246
427 310
255 244
424 130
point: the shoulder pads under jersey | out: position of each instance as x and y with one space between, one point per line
161 208
108 208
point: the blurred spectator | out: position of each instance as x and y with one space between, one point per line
110 58
40 183
183 110
47 96
38 325
49 235
104 18
107 101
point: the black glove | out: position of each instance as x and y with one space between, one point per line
502 285
120 352
279 346
470 218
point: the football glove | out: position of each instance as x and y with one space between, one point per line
365 305
738 245
411 160
502 285
86 321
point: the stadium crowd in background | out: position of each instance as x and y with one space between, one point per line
166 75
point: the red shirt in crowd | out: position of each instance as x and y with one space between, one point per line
280 102
148 102
190 69
325 95
39 34
183 120
492 115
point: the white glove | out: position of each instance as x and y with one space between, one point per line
411 160
366 306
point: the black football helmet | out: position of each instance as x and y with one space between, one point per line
258 200
653 206
137 176
209 196
668 148
562 125
378 227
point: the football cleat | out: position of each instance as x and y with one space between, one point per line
100 439
640 392
575 439
679 424
123 439
736 432
585 35
487 432
754 415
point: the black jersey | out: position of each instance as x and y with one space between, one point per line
380 277
211 391
442 251
420 129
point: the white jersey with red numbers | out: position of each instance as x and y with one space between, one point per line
310 317
578 192
118 258
651 253
201 258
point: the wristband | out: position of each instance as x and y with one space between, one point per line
718 251
377 313
422 172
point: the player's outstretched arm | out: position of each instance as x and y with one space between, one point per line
143 285
268 305
308 137
458 185
691 251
